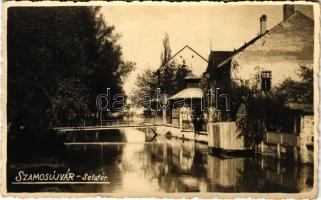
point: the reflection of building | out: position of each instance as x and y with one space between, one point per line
257 175
179 167
224 172
294 178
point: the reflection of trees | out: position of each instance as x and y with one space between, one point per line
96 136
265 175
251 178
96 159
199 163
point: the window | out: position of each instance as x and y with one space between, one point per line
266 77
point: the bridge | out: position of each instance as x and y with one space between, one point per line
105 126
92 128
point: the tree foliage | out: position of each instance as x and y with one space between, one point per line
262 113
169 77
70 104
298 92
269 111
59 60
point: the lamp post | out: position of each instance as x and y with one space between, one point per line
101 118
128 108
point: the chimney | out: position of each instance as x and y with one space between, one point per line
263 24
288 10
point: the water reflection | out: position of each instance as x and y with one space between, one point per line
136 164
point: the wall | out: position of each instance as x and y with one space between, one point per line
177 133
282 50
291 146
224 135
197 64
307 138
280 145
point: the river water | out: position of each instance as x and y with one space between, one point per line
136 162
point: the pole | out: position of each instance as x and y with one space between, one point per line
101 119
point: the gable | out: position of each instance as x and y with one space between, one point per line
281 50
192 59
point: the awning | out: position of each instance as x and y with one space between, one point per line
189 93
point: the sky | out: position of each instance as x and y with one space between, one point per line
201 26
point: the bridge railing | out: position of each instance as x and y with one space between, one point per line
100 123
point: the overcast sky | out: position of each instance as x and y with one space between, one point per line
227 26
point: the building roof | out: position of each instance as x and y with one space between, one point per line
189 93
185 47
191 58
246 44
216 57
219 56
276 28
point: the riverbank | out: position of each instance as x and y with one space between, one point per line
164 164
173 131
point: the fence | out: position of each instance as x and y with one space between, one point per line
224 135
91 123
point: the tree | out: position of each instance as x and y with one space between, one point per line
70 104
252 123
169 77
146 86
298 92
268 111
166 72
182 72
59 60
166 52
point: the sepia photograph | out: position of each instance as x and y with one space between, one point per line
159 99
